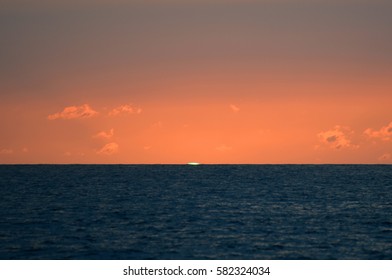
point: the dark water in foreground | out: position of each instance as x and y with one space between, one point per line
196 212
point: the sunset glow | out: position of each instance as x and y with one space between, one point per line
148 82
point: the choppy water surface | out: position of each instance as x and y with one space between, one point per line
196 212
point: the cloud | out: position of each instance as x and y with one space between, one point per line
224 148
74 112
108 149
337 138
157 125
384 133
234 108
69 154
125 109
385 157
6 151
105 134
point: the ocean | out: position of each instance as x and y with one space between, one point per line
282 212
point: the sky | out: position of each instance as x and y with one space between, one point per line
219 81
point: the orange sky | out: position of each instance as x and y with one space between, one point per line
217 82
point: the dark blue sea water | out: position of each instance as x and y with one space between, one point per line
196 212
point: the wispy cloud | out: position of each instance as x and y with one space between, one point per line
6 151
384 133
157 125
125 109
337 138
108 149
105 134
234 108
74 112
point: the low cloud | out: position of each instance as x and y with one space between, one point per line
234 108
385 157
105 134
384 133
224 148
337 138
108 149
74 112
125 109
6 151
